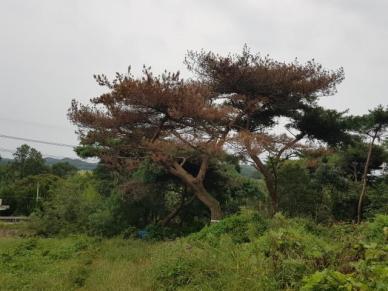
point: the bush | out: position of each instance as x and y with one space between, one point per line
69 207
201 266
285 254
240 227
370 272
330 280
279 254
46 264
290 251
377 229
243 252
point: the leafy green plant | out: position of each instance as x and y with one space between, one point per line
241 228
377 229
331 281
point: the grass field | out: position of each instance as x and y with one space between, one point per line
73 263
239 253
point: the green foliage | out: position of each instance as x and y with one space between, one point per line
366 261
331 280
372 269
352 159
27 161
241 228
74 205
322 124
325 188
291 250
233 189
63 169
377 229
149 172
157 232
201 266
288 254
69 207
25 195
37 264
298 196
312 191
375 121
27 180
377 199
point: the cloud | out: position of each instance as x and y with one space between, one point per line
50 49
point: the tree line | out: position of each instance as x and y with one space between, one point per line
246 105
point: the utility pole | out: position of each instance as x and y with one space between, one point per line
37 192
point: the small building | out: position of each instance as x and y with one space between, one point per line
3 207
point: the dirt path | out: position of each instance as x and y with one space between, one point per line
8 232
10 229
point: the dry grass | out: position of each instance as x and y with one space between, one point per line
74 263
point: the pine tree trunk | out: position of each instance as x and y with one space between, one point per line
274 196
364 181
198 188
211 203
269 182
271 187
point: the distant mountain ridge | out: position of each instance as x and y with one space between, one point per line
246 170
249 171
4 161
79 164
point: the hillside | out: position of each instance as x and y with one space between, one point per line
82 165
79 164
249 171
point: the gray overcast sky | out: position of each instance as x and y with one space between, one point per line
49 49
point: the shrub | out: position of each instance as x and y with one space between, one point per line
330 280
240 227
68 208
46 264
289 251
195 266
377 229
243 252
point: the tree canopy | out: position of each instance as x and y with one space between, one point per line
249 106
260 91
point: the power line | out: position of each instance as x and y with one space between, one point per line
5 150
41 142
37 141
32 123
